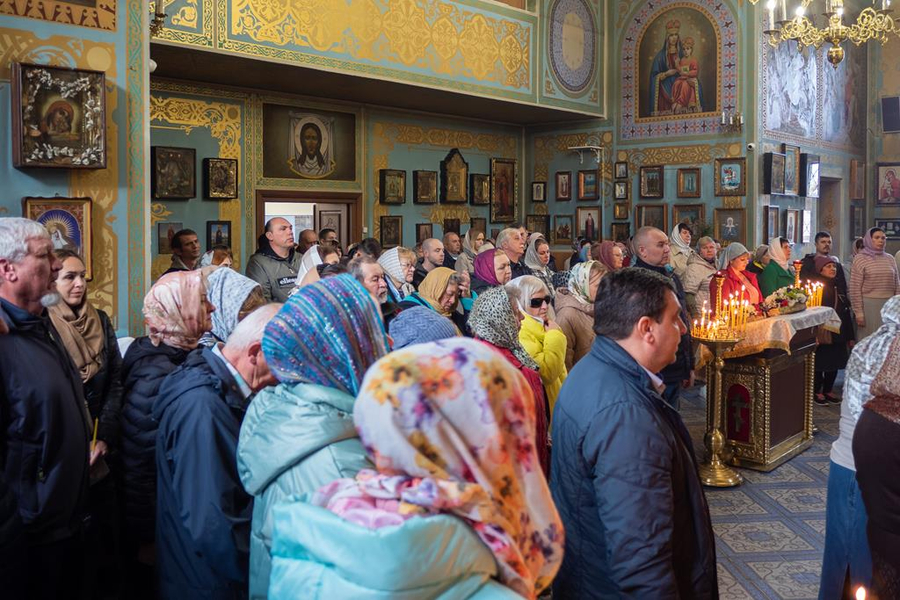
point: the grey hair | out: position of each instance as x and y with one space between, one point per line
504 236
14 235
250 330
525 287
705 240
355 266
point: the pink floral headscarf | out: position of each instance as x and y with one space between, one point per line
174 310
450 427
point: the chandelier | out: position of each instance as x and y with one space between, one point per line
158 17
871 24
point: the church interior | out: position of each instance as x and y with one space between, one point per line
126 121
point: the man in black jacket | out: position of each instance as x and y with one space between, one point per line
45 431
512 242
275 264
651 246
823 248
432 258
203 512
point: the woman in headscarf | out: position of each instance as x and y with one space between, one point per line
177 313
777 273
320 254
492 268
219 256
537 258
471 247
540 335
681 248
873 280
700 270
495 320
609 254
439 291
831 353
876 452
846 552
575 309
399 265
760 259
461 495
234 296
299 435
739 283
90 339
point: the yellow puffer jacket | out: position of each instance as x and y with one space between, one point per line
548 349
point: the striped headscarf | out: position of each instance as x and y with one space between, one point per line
390 262
492 319
328 334
228 290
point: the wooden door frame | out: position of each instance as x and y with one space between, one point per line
353 200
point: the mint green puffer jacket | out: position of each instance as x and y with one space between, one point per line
295 438
317 555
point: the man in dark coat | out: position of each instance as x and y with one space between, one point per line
651 246
203 512
45 430
624 476
512 242
275 264
808 267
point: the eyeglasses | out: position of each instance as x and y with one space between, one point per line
538 302
407 266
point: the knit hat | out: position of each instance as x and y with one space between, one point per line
821 261
418 325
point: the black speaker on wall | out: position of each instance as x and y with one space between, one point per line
890 114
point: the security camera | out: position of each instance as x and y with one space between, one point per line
751 147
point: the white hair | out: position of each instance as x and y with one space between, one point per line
251 329
14 235
521 289
504 236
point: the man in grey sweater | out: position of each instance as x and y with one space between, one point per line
275 264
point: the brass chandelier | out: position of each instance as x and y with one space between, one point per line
871 24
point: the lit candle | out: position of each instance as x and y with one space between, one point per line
784 10
723 117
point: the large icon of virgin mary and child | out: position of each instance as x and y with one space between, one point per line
312 147
674 86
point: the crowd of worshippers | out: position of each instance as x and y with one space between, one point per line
378 424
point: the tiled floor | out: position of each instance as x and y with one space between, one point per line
770 531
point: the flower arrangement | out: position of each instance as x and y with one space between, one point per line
784 301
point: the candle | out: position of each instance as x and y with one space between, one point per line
723 117
784 10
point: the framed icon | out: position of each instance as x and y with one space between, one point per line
174 173
791 169
538 191
218 233
620 232
730 177
692 215
68 221
588 185
392 186
424 187
620 210
479 189
770 217
424 231
730 225
689 183
562 229
563 185
538 224
220 178
651 215
620 190
391 231
504 189
588 219
652 182
773 173
454 178
621 169
809 175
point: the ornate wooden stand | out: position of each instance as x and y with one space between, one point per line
713 471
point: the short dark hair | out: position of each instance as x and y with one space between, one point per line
370 247
176 239
627 295
683 227
327 270
64 253
326 250
326 231
874 229
822 234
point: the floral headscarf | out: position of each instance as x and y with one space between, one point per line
869 244
493 320
484 268
777 254
433 287
390 262
228 290
580 281
450 427
174 311
328 333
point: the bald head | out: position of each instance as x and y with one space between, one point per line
652 246
432 254
280 234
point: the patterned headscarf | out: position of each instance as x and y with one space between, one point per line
484 267
433 287
328 333
777 254
227 290
390 262
493 320
580 281
450 427
174 311
869 244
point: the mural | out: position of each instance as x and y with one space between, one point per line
843 110
790 100
301 144
572 46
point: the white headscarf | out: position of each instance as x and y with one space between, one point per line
311 259
777 254
390 262
678 242
532 260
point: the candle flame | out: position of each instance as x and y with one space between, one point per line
860 593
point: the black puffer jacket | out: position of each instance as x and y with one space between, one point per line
143 370
103 391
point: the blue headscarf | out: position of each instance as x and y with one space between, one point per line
227 290
328 333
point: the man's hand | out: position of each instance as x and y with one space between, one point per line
99 450
686 383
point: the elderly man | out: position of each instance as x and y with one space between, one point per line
367 271
452 248
432 258
624 476
513 243
651 246
275 264
45 429
185 251
203 512
307 240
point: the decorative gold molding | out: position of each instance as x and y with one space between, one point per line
158 212
67 13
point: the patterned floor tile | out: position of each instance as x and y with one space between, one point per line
820 465
805 500
732 503
786 473
818 525
729 588
794 580
760 536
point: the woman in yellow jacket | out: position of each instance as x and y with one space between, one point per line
540 335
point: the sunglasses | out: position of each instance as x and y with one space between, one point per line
538 302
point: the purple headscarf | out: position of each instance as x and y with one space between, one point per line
869 244
484 267
605 255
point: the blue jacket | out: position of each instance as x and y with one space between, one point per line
295 439
625 482
203 513
317 555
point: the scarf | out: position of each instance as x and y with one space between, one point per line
81 332
579 283
468 244
886 386
492 319
173 309
484 268
869 245
730 252
227 290
777 254
390 262
309 262
433 287
450 427
605 255
328 334
676 241
532 260
585 252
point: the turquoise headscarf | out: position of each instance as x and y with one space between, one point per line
328 333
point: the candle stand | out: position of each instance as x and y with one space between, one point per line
713 470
